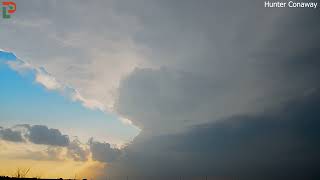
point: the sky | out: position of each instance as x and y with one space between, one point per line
156 88
25 101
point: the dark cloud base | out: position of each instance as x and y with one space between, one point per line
283 144
103 152
37 134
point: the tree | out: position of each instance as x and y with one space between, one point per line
21 173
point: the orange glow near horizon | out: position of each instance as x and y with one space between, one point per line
14 156
53 169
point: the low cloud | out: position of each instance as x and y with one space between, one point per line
103 152
78 151
11 135
51 153
58 145
39 134
283 142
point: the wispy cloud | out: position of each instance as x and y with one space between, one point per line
49 82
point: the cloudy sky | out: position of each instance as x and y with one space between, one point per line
160 88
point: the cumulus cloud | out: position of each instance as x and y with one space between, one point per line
103 151
75 151
78 151
40 134
11 135
58 147
37 134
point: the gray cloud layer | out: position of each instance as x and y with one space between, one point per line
74 151
39 134
237 94
217 62
78 151
60 147
233 89
278 144
11 135
103 152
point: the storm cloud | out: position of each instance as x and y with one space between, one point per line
218 62
221 88
236 93
282 143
